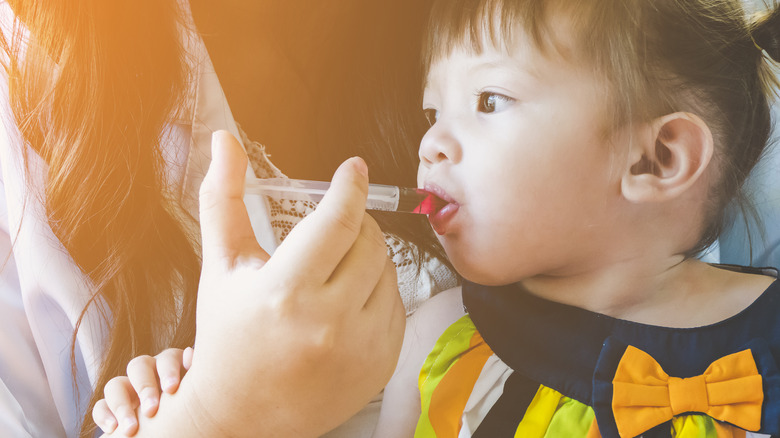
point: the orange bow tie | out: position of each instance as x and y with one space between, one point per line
644 396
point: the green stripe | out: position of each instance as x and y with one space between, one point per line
694 426
572 419
448 349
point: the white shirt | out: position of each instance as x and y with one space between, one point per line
42 292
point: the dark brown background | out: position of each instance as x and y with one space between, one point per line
308 78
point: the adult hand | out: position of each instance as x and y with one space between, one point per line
295 344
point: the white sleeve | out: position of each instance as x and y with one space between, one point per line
27 408
12 419
37 393
26 404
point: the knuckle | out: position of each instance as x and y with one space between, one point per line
114 386
139 362
281 301
212 197
387 281
279 294
322 342
148 392
99 410
208 196
350 223
370 230
169 355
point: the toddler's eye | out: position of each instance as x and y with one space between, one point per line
491 102
431 115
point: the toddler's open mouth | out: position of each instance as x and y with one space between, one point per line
431 204
443 208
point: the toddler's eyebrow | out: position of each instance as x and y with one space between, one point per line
514 69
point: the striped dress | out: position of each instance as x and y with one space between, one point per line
521 366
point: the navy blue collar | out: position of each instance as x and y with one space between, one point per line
559 345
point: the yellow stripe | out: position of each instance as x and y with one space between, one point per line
448 377
703 426
539 413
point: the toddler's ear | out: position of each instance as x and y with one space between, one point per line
671 154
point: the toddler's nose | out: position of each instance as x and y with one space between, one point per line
439 144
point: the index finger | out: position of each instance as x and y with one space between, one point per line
320 241
225 227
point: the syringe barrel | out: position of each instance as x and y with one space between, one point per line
380 196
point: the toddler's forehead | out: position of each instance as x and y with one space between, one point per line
553 42
518 51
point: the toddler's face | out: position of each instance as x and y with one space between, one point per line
518 147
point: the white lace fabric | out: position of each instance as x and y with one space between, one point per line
415 285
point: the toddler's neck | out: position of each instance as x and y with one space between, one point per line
671 292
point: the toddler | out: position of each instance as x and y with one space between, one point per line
586 152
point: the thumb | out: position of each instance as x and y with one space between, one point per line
224 223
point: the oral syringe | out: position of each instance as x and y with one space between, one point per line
380 197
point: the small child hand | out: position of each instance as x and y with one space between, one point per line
141 387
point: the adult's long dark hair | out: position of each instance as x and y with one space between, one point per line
97 122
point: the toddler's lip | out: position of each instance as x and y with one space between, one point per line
439 192
440 220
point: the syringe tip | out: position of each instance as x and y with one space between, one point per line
420 201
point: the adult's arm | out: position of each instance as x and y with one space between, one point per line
27 408
295 344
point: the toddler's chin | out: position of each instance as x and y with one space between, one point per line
465 258
477 273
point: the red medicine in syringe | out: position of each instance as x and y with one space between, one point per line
422 201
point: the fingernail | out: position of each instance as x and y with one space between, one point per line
148 403
109 425
129 424
361 167
168 383
146 393
187 359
